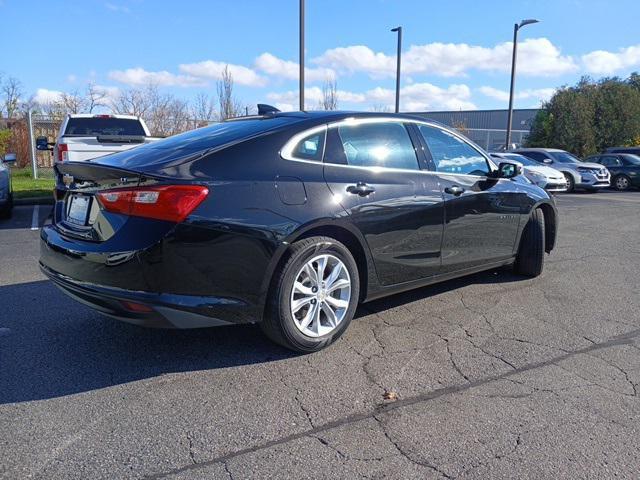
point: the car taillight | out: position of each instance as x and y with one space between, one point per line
172 203
63 152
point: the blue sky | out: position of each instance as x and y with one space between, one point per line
456 54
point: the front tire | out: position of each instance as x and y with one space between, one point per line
530 258
621 183
314 295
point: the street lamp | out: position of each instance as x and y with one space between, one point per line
301 32
398 56
516 27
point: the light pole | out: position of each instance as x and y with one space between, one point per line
301 55
516 27
398 56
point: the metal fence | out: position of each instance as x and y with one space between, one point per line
493 139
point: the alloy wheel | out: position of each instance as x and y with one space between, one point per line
320 295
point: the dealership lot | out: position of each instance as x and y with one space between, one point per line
495 375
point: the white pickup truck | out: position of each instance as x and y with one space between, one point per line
83 137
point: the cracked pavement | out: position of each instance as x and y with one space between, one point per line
496 376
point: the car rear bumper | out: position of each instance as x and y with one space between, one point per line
158 310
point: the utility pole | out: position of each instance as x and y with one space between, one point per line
399 61
301 32
516 28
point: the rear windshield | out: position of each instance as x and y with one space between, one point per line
94 126
179 147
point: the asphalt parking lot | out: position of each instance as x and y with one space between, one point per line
496 376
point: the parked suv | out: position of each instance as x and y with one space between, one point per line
624 168
578 174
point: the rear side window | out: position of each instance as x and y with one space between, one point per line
453 155
94 126
384 144
310 147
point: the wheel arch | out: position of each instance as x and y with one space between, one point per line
342 232
550 224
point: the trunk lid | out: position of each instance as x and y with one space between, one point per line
78 212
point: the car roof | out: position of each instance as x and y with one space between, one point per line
321 116
518 150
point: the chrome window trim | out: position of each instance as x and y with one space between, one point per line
287 151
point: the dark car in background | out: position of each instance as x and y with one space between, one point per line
289 220
579 175
624 168
631 150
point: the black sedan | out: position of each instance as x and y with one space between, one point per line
624 168
289 220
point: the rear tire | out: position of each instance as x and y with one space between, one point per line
571 184
286 327
530 258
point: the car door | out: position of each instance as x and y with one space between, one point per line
612 162
373 169
482 213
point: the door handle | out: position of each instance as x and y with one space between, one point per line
361 189
454 190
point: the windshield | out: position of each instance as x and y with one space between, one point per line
94 126
631 159
527 162
565 157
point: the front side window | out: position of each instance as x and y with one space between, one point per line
450 154
383 144
565 157
609 161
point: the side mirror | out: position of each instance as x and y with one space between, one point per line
42 143
9 158
509 170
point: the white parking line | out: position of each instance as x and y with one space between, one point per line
34 217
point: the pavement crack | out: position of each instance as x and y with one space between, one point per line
456 367
406 455
191 453
422 398
226 469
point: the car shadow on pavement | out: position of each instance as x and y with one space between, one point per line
51 346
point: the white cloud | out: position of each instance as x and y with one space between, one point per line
357 58
210 69
537 94
538 57
140 76
272 65
45 96
117 8
415 97
602 62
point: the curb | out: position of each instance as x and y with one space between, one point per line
33 201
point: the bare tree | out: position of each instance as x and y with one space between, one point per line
203 109
11 93
95 97
73 102
329 94
134 101
229 107
379 107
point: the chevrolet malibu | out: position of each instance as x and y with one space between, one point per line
289 220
